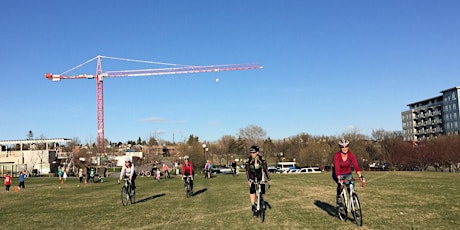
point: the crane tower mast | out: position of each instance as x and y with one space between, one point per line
100 75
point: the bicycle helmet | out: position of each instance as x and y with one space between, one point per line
254 148
127 159
185 157
343 142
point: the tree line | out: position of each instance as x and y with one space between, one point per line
385 147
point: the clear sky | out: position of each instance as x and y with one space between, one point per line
328 66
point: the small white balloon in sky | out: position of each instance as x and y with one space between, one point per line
217 80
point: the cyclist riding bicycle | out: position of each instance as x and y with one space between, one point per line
256 166
187 170
128 172
343 160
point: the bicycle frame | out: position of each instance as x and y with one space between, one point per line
348 188
258 192
127 183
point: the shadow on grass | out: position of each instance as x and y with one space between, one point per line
267 204
331 210
200 191
149 198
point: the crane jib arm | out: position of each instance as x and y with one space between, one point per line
152 72
180 70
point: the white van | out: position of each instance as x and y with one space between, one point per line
284 167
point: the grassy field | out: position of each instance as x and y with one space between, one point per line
390 200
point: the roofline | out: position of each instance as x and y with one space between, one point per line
447 90
34 141
438 97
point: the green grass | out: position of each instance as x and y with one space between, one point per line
390 200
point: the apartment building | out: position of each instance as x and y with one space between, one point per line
432 117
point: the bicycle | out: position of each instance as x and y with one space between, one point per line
260 205
145 173
128 194
350 201
188 186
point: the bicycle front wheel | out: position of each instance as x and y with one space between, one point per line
187 189
342 208
124 196
262 211
356 210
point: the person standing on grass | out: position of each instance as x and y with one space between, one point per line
343 160
234 167
207 169
64 175
87 174
256 167
60 173
7 180
80 174
166 170
22 176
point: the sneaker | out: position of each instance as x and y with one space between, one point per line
339 200
254 209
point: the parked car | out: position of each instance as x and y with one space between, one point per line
273 169
292 170
222 170
309 170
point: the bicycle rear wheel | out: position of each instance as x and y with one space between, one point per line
356 210
124 196
342 209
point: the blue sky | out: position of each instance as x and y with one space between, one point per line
328 66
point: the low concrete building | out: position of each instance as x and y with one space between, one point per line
14 157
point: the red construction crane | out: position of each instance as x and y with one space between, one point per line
99 76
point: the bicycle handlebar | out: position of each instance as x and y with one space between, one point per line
353 179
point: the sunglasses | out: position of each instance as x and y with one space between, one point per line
253 152
342 147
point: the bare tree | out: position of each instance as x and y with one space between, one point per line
253 134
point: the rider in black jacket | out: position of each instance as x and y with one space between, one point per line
256 166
